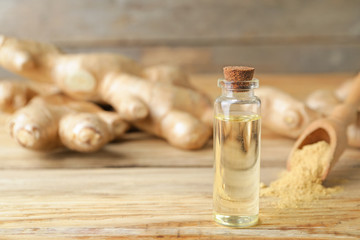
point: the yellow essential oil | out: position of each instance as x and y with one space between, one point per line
237 130
237 161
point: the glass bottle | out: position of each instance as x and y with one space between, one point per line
237 130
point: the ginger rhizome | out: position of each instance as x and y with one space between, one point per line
159 101
52 121
324 101
284 114
288 116
14 95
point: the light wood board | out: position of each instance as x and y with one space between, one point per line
273 35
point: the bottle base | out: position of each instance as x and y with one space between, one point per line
236 221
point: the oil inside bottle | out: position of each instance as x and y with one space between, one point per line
237 169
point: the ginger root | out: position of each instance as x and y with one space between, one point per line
284 114
288 116
324 101
170 109
49 122
14 95
167 74
181 115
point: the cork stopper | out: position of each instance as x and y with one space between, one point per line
238 73
238 77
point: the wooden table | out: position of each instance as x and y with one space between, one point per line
142 188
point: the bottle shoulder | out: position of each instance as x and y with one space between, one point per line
232 100
237 106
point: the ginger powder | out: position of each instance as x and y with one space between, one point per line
303 182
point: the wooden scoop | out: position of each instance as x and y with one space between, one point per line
332 129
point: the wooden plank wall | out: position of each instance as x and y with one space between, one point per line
276 36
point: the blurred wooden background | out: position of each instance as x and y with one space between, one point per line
276 36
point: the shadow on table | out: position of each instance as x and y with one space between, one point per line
135 150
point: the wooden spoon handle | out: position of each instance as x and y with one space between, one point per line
346 112
354 96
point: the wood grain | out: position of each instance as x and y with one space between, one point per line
166 202
158 21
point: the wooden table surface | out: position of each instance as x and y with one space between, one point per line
142 188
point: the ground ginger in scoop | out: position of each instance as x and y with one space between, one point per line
303 182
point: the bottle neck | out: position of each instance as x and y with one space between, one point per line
238 93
